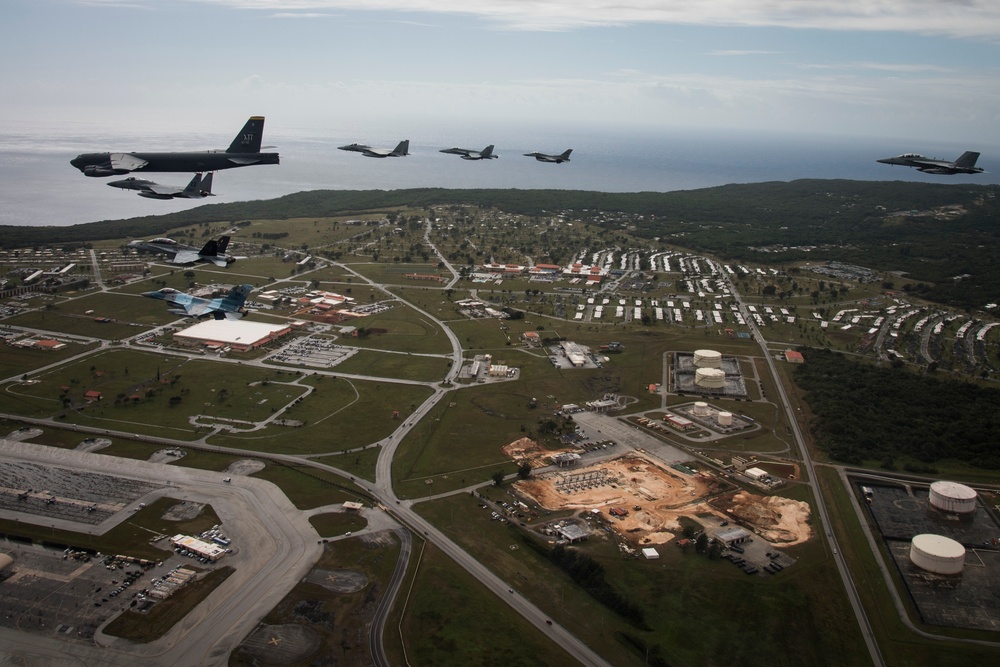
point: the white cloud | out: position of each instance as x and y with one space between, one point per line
969 18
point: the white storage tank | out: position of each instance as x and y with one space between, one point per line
725 419
710 378
701 409
707 359
937 554
953 497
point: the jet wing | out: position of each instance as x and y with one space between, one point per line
218 261
185 257
126 161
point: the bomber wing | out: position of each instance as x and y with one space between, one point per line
126 161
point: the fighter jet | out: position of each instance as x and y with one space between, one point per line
399 151
243 152
966 164
198 188
229 307
543 157
213 252
469 154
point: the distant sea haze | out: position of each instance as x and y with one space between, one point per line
38 186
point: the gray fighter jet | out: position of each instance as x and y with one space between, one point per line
214 252
469 154
966 164
400 150
229 307
198 188
243 152
544 157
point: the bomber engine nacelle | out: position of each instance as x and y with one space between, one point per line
101 170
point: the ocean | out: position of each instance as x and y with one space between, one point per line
39 187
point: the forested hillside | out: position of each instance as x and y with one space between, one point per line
864 413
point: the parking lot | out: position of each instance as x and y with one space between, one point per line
312 352
70 594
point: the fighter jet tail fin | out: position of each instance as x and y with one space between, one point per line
206 186
249 138
968 159
223 242
236 298
211 249
487 153
402 149
565 155
193 188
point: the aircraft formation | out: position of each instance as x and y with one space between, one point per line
245 151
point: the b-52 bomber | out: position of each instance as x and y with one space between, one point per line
469 154
198 188
229 307
966 164
243 152
214 252
544 157
401 150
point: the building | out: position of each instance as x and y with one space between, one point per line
198 547
756 474
238 335
794 357
565 459
573 533
649 553
732 535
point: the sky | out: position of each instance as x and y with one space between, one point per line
376 71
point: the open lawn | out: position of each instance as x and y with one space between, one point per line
341 414
392 365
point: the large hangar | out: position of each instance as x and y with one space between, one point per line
937 554
953 497
239 334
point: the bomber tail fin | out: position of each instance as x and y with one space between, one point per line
967 159
249 138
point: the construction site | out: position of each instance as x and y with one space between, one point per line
643 501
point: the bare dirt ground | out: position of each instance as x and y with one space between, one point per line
655 498
776 519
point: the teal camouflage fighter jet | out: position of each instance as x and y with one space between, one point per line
228 307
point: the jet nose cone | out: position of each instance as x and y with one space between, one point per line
77 162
